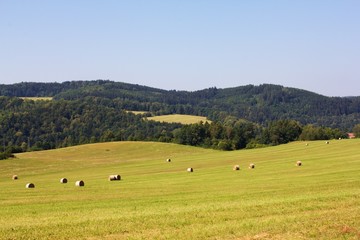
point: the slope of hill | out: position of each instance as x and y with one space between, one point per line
100 111
161 200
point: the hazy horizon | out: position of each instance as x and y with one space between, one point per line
187 45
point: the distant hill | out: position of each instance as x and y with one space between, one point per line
81 112
259 104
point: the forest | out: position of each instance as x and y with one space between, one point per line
97 111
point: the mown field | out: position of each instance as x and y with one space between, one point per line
138 112
37 98
160 200
179 118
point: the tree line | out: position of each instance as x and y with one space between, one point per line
260 104
28 125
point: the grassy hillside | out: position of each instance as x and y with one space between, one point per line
160 200
179 118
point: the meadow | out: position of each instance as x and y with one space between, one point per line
157 199
179 118
37 98
138 112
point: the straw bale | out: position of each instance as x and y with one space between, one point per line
79 183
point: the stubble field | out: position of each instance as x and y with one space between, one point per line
157 199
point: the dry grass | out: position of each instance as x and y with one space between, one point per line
37 98
320 200
63 180
138 112
179 118
30 185
114 178
79 183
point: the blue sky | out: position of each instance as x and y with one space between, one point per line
184 45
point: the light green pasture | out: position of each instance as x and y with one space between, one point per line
160 200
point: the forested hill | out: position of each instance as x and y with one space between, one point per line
259 104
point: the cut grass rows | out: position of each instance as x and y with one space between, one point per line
160 200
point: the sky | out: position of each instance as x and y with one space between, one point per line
184 44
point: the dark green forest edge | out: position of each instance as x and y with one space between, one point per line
95 111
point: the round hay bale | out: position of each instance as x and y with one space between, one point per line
306 144
190 169
63 180
114 177
30 185
168 160
298 163
251 166
79 183
236 167
327 142
15 177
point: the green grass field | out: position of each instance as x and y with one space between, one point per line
37 98
160 200
138 112
179 118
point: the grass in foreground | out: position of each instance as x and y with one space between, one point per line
179 118
160 200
